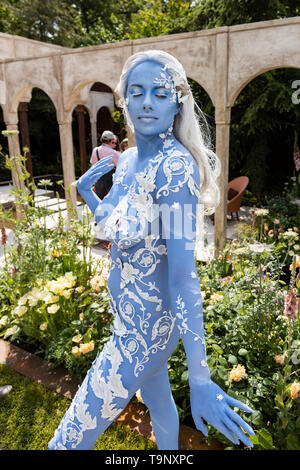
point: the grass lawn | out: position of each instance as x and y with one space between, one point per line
30 414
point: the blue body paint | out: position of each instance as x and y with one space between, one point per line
149 217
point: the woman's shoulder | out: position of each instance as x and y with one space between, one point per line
127 154
177 170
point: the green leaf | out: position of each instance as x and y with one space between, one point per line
87 337
298 422
185 376
263 438
232 359
242 352
217 348
256 418
292 442
222 373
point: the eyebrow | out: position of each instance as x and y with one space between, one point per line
141 86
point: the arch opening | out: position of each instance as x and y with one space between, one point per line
265 127
204 102
42 134
5 173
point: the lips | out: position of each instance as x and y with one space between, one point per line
147 117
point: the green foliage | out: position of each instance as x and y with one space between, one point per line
49 21
159 18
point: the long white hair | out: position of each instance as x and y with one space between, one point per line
190 126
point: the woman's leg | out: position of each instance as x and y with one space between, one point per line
97 403
157 396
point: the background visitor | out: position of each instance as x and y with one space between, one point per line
107 148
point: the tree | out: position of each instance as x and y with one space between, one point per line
51 21
159 17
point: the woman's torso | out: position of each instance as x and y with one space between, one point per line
138 279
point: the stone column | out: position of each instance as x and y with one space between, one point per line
222 119
16 171
67 156
80 109
25 138
94 133
222 150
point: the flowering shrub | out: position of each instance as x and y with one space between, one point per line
52 292
54 297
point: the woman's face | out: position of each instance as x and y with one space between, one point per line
150 100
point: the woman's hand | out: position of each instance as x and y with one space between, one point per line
91 176
208 401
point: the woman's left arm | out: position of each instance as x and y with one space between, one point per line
178 206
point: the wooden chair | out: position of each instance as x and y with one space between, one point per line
236 189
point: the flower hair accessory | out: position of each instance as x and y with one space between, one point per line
176 83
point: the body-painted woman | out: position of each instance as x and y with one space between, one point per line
150 218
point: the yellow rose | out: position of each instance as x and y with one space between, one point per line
87 347
79 289
32 301
77 338
76 351
22 300
294 390
97 282
53 308
237 373
279 359
216 298
67 293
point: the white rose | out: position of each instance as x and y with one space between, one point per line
53 308
11 331
4 320
20 310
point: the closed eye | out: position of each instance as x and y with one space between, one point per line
161 96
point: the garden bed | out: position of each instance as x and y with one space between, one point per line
54 300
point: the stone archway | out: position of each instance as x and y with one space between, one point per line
222 60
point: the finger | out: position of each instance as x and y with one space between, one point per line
227 433
105 160
237 419
201 427
231 426
231 401
100 170
99 165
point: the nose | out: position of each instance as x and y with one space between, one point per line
147 107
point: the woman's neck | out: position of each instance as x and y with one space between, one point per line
149 146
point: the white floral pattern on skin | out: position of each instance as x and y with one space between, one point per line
121 175
72 429
110 387
128 225
182 315
135 268
174 82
